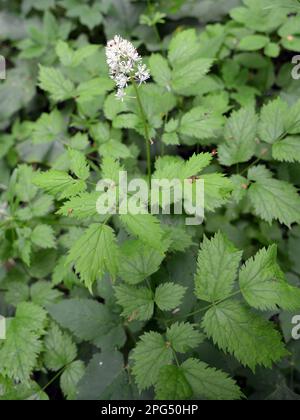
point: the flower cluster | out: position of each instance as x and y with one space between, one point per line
125 64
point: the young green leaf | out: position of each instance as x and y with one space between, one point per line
244 334
207 382
183 337
59 348
95 253
137 302
149 356
168 296
59 183
263 283
240 135
217 265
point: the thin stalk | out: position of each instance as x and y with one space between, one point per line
146 130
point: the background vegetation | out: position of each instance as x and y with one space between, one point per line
222 105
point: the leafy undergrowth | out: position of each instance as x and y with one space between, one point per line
144 306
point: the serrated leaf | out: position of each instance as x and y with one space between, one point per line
137 302
275 200
186 76
272 123
43 294
78 164
183 337
70 379
53 81
240 135
207 382
196 164
146 227
235 329
263 284
43 236
217 190
59 348
80 207
168 296
160 70
59 183
48 128
287 150
200 123
95 253
217 265
183 47
149 356
19 353
137 261
172 385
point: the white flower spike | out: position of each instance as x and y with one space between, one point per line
125 64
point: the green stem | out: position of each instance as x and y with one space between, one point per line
146 129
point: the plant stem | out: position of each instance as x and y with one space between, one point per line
146 129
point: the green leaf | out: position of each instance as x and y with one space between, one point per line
168 296
80 207
200 123
24 189
244 334
49 128
149 356
95 253
272 123
275 200
137 261
43 294
217 265
160 70
53 81
172 384
43 236
253 42
90 321
19 353
70 58
137 302
59 183
183 337
183 47
209 383
217 190
78 164
87 91
103 369
263 284
70 379
59 348
240 135
196 164
185 77
146 227
287 150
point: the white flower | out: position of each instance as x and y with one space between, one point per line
120 94
142 74
124 64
